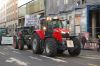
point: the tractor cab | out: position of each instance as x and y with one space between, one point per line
54 25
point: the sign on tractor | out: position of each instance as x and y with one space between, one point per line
31 20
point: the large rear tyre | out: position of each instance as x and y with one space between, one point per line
77 48
36 44
20 44
60 51
15 44
50 47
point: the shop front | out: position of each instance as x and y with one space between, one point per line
77 21
93 20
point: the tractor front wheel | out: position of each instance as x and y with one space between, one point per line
77 48
36 45
50 47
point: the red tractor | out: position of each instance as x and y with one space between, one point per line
52 38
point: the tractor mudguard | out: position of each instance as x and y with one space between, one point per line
41 34
57 36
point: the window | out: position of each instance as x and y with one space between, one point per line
65 1
78 3
83 1
58 2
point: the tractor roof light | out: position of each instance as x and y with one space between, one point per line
48 18
63 32
55 17
44 28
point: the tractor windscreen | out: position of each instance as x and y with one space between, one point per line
56 24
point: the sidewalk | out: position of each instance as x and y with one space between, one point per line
90 52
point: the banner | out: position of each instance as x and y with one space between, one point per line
31 20
7 40
90 45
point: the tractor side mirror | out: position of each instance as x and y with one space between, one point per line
68 22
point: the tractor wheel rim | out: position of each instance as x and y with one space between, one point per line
34 44
47 48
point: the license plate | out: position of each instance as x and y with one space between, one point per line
69 43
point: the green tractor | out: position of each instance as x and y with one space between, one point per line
21 38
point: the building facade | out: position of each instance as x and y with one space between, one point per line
9 15
86 15
29 8
3 15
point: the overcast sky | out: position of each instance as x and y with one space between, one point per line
21 2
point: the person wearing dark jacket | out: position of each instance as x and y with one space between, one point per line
83 40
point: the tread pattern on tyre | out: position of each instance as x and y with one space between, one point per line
77 49
52 46
38 50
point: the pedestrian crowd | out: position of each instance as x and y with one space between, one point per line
86 40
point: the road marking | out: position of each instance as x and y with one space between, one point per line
2 53
35 58
29 50
21 63
10 47
5 49
92 64
16 52
62 58
91 57
54 59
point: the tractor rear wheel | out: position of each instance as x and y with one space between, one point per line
20 44
77 48
15 44
36 44
50 47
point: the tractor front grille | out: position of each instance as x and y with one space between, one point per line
65 35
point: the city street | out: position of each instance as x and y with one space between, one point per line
14 57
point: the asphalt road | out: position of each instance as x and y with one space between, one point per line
13 57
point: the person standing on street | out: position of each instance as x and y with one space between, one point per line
83 40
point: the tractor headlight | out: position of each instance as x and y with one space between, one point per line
30 38
44 28
63 32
